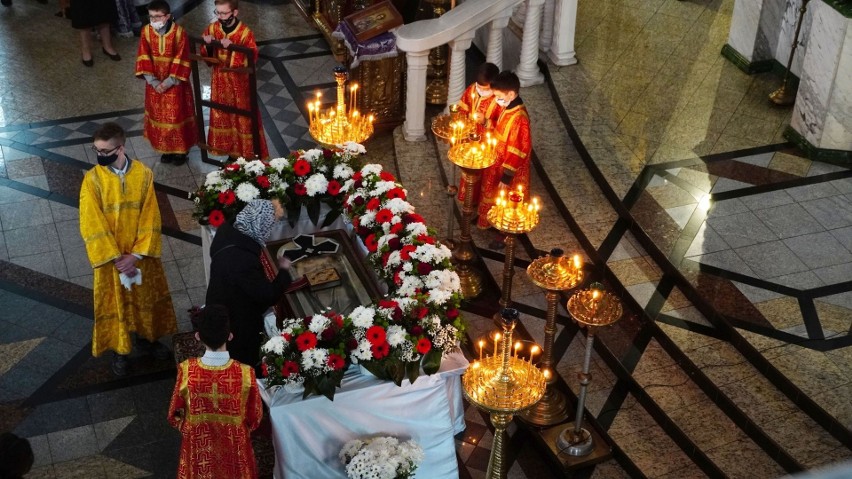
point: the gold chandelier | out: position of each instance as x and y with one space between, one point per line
338 125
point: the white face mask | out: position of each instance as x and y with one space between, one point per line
158 25
482 93
502 102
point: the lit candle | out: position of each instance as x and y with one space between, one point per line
577 263
533 351
310 113
595 297
481 344
497 337
517 348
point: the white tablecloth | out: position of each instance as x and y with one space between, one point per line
308 434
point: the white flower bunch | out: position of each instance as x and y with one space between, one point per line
275 345
382 187
213 178
319 323
381 458
241 161
398 206
315 360
351 148
362 317
312 155
371 169
255 167
279 164
316 184
342 171
246 192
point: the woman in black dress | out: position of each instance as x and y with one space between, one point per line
98 14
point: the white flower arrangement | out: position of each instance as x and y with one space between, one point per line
381 458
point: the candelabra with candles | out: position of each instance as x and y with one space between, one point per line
503 384
553 273
471 157
592 308
511 215
338 125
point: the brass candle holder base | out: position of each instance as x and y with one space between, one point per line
601 451
552 409
783 96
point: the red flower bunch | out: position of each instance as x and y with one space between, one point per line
289 368
301 167
227 198
333 187
216 218
300 189
262 181
306 340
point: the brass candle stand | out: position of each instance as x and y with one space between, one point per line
503 385
471 157
448 128
553 273
512 216
436 90
339 125
592 308
784 96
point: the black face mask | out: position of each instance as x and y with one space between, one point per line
228 22
107 160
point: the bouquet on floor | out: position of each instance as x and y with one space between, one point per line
308 354
304 178
381 458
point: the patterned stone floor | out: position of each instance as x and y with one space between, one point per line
661 163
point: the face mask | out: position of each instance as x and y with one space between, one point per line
502 102
483 93
158 25
107 160
227 22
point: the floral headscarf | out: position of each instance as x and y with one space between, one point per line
256 220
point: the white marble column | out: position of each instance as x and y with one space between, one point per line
823 110
495 40
546 35
415 96
456 85
527 70
561 51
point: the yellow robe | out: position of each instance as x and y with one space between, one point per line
118 218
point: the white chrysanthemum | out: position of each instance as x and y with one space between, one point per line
407 267
362 317
246 192
225 185
319 323
394 259
347 186
395 335
353 148
312 155
399 206
409 286
316 184
363 351
371 169
383 240
382 187
255 167
314 358
367 219
241 161
275 345
416 229
279 164
343 172
439 296
213 178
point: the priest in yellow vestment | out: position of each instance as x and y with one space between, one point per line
120 226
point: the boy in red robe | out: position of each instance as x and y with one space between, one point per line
163 61
215 405
514 144
231 134
478 99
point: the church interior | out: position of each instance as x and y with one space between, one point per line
725 233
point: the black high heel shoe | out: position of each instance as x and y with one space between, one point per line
90 62
112 56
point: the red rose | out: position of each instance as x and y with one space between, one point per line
262 181
452 313
396 193
426 239
380 350
264 369
422 312
416 330
424 345
338 320
397 314
287 336
216 218
373 204
232 167
362 230
335 361
327 153
289 368
227 198
384 216
385 176
357 176
327 334
358 184
412 218
396 228
306 340
424 268
300 189
371 243
376 334
301 167
333 188
359 201
406 251
351 344
387 303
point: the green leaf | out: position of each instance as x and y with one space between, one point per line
294 210
331 216
432 361
375 368
412 368
396 370
313 208
326 387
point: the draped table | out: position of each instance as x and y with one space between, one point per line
308 434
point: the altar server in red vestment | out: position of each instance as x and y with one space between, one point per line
163 61
478 99
231 134
514 145
215 405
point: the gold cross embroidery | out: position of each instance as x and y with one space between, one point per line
215 396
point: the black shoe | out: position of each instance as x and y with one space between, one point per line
89 63
179 159
166 158
112 56
120 366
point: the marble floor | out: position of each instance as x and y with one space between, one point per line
661 163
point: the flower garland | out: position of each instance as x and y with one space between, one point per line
394 338
381 458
